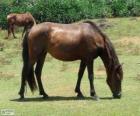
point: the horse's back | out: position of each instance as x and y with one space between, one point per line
20 19
66 41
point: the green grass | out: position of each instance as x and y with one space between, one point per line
59 79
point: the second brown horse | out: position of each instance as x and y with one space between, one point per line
69 42
25 20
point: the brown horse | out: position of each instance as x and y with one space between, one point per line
25 20
69 42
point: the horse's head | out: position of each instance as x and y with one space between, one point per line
114 81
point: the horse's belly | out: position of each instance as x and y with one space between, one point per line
64 56
66 52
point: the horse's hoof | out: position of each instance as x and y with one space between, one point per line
96 98
21 97
117 96
45 96
80 95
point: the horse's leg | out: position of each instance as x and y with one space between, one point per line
91 78
38 71
25 72
9 31
23 83
12 28
80 74
27 75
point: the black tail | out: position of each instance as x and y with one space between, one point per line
28 71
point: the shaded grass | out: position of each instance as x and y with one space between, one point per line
59 81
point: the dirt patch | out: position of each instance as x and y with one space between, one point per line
1 46
100 71
138 77
64 67
125 41
6 75
49 58
128 45
104 24
5 61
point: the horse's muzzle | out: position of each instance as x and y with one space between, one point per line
117 95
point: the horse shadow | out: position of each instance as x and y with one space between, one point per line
58 98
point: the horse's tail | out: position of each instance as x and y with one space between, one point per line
28 71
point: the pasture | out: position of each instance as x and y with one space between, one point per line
59 78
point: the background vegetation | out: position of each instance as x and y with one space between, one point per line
67 11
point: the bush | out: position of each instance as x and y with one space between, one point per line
67 11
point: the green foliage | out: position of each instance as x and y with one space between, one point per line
67 11
4 11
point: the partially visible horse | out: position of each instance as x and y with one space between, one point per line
69 42
25 20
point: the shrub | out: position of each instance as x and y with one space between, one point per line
67 11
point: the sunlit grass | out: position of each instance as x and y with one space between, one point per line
59 79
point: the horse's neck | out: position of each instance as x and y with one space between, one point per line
109 61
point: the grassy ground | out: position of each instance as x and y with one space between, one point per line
59 78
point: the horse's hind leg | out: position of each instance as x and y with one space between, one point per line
80 75
9 31
12 28
23 81
38 72
91 77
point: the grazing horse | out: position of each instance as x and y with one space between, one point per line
69 42
25 20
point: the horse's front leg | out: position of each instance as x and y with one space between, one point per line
80 75
12 29
91 79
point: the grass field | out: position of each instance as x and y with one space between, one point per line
59 78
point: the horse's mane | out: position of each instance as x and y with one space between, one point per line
109 48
